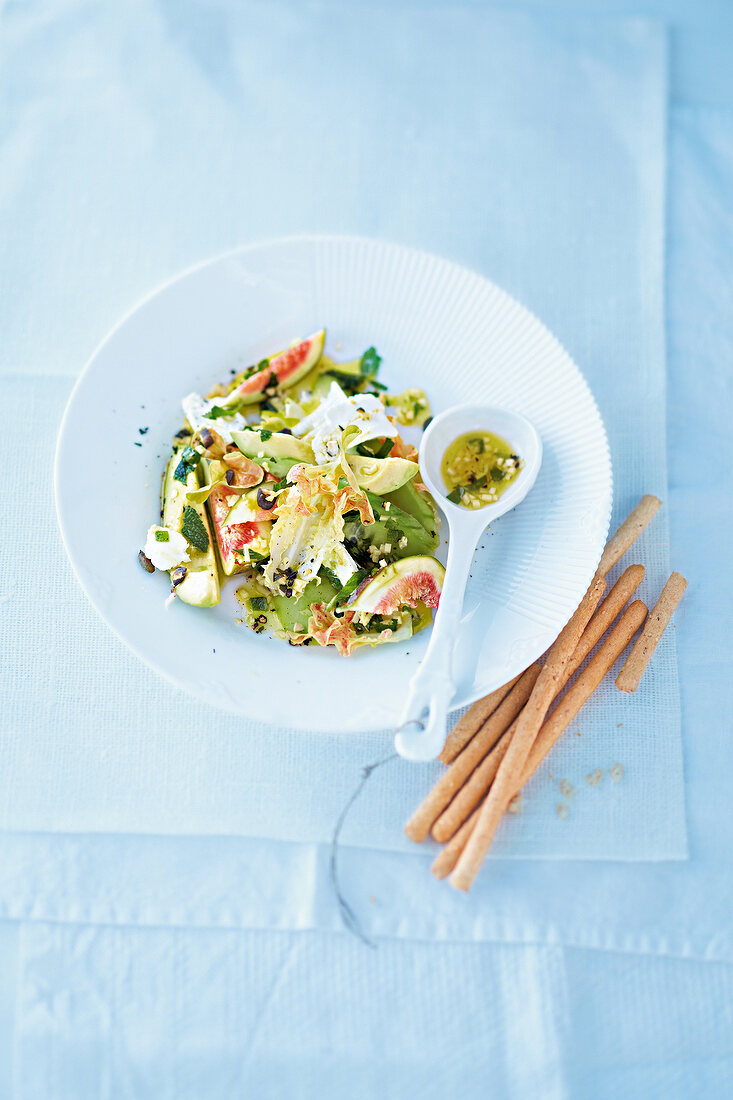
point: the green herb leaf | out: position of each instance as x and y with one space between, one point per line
374 449
265 434
193 529
393 532
497 474
369 362
477 446
258 603
217 411
455 495
331 576
162 536
263 364
190 459
347 589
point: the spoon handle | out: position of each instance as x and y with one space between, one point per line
431 687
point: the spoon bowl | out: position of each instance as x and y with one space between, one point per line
512 426
422 731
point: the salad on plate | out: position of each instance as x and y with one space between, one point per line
294 478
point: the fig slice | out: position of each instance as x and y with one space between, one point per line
282 370
404 583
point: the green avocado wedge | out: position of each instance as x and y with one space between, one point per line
200 588
294 612
381 475
277 445
401 532
409 500
281 451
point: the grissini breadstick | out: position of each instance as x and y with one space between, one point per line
474 718
473 791
447 858
630 675
472 721
628 532
606 614
600 664
528 725
616 546
557 723
418 827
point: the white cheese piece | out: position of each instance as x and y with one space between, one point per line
195 409
337 412
166 555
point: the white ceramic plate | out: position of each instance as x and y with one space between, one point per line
436 325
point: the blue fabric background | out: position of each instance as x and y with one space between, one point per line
529 1020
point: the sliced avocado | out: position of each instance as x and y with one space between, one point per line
365 367
295 610
303 389
201 584
382 475
279 467
279 445
391 525
322 385
352 369
415 503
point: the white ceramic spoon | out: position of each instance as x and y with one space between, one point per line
422 731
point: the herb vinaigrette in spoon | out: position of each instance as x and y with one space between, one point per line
477 467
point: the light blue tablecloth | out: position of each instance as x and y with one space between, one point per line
563 170
259 1010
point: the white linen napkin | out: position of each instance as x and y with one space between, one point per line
201 1015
